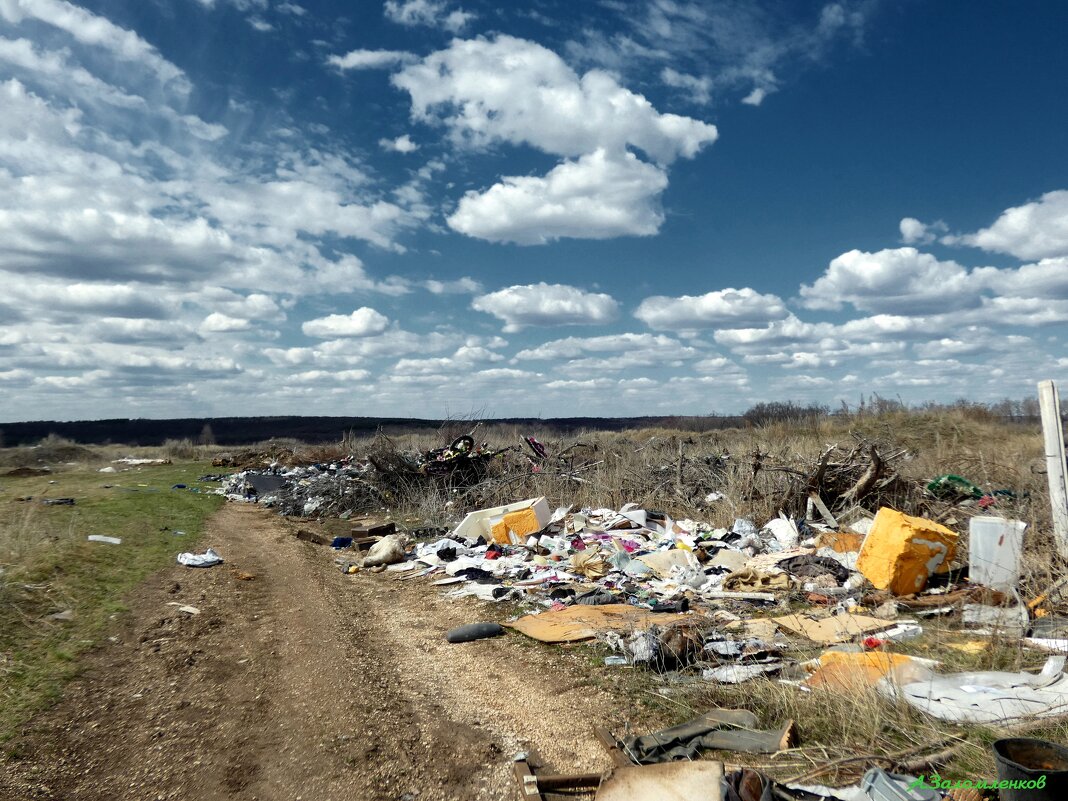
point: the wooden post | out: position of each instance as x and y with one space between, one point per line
678 474
1053 437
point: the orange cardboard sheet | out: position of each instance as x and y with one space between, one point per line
581 622
835 629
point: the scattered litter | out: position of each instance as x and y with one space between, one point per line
65 616
835 629
207 559
882 786
509 524
846 671
1021 759
693 781
736 674
58 501
103 538
682 597
1011 620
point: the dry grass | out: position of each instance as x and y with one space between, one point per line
600 469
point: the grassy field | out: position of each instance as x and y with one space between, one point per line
50 567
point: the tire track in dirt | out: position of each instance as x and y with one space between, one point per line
303 683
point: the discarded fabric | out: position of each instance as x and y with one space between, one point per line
718 729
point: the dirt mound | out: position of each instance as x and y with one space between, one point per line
27 472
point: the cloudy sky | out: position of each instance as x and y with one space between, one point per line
447 207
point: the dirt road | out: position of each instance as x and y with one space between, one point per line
304 683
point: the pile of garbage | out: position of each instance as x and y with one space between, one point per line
816 597
840 479
350 485
679 595
322 490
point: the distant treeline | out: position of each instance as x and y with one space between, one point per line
247 430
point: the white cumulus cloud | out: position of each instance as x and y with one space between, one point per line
363 322
509 90
571 347
698 88
595 197
1047 278
91 29
402 144
429 13
218 323
895 281
1036 230
512 90
755 97
724 308
546 304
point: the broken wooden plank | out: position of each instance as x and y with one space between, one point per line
374 529
528 782
821 507
611 744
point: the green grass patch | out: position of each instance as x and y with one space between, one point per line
49 566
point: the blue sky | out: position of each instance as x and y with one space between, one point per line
430 207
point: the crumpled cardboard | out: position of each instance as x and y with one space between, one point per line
834 629
585 622
661 562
